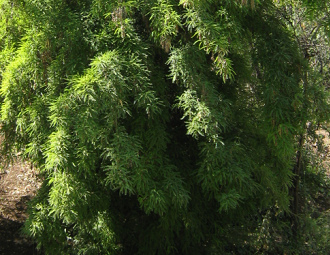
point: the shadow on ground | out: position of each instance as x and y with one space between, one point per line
18 185
12 242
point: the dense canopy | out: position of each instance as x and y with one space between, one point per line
166 127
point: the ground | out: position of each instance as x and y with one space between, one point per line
18 184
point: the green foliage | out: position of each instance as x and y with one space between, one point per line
159 127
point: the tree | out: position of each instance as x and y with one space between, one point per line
309 22
159 127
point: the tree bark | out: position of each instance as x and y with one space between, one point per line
295 206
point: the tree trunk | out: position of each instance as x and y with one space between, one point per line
295 206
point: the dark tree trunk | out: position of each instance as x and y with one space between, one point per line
295 206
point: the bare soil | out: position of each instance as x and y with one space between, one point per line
18 184
325 156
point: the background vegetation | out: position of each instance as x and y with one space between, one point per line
170 127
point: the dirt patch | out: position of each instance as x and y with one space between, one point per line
325 155
18 185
